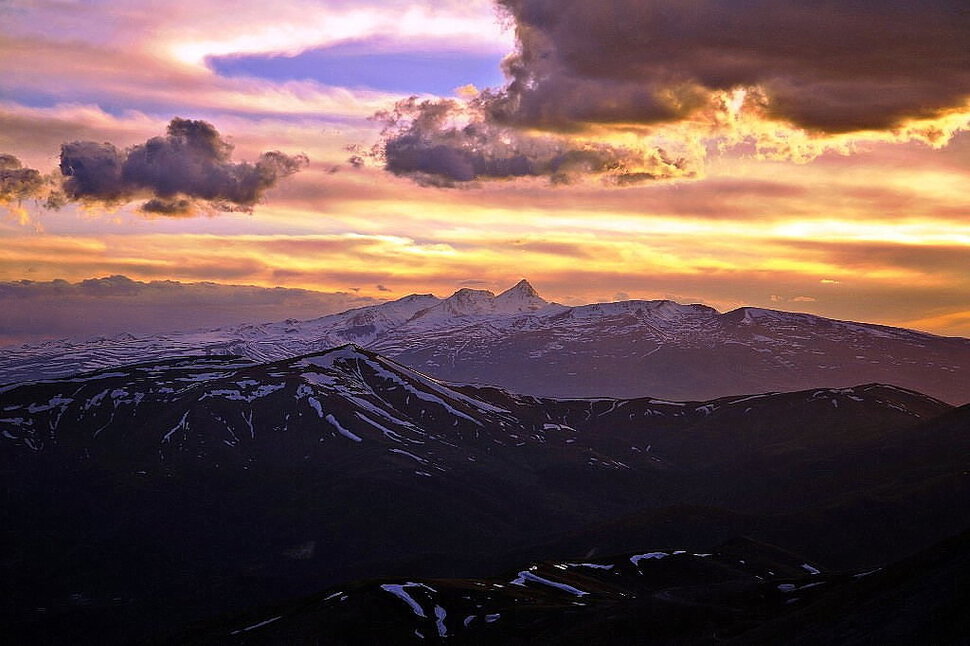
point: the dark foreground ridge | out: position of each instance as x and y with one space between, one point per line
138 500
741 592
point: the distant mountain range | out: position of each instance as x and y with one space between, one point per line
139 499
519 341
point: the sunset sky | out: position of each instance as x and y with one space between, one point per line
794 154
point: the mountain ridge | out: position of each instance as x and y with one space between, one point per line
520 341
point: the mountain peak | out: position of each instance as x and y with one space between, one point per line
467 295
523 288
520 298
464 302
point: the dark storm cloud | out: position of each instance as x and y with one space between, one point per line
583 67
189 166
445 143
18 183
826 65
93 170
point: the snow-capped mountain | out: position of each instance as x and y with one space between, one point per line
519 341
474 304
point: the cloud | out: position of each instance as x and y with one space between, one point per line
31 311
18 183
448 142
93 171
860 256
561 249
825 66
188 167
186 170
646 90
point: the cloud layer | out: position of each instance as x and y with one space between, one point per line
32 311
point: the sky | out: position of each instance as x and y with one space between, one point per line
804 155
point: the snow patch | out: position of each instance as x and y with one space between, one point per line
526 575
595 566
400 591
439 620
340 429
315 404
255 626
649 555
811 570
181 426
410 455
388 433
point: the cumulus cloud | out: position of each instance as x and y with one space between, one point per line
18 183
188 169
189 166
448 142
640 90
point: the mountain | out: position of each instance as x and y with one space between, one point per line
221 411
138 499
469 305
521 342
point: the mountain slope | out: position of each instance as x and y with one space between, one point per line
223 410
521 342
225 484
